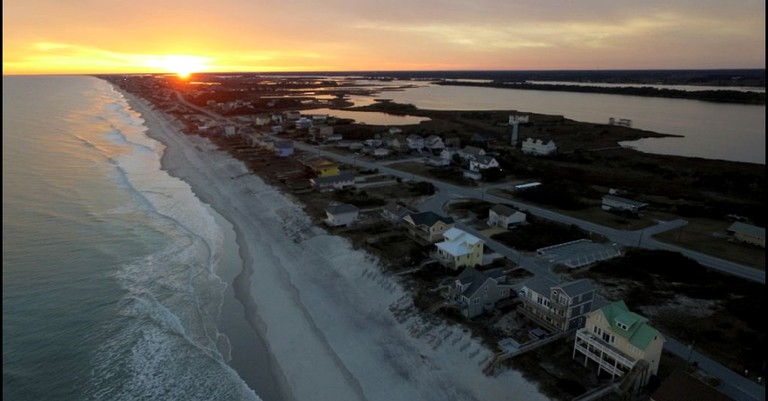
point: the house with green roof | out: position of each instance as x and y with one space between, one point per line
621 343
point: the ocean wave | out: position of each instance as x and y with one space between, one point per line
165 343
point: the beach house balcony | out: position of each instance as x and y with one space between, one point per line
448 262
544 317
607 357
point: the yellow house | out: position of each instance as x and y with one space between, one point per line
621 343
323 167
459 249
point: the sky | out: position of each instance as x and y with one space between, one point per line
117 36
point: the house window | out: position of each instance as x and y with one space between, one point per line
609 338
476 300
621 326
597 330
503 293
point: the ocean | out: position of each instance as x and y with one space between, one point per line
111 267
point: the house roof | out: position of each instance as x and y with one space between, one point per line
456 242
473 150
681 386
484 159
624 200
503 210
638 332
429 219
396 209
543 285
454 234
341 208
575 288
748 229
333 179
476 278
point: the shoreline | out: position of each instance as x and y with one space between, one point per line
325 310
158 127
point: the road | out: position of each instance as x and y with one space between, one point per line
637 238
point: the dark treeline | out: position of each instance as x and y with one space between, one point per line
722 77
724 96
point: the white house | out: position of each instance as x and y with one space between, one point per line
538 147
518 119
340 214
415 142
484 162
504 216
434 143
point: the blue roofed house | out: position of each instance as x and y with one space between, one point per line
475 292
284 148
621 343
557 307
459 249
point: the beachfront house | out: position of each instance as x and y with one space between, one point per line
501 215
284 148
747 233
459 249
475 292
394 212
322 167
621 343
613 203
340 214
538 147
333 182
427 227
556 307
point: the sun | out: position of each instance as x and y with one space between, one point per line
182 66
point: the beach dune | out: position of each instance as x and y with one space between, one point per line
335 326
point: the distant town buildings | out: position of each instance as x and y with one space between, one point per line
538 147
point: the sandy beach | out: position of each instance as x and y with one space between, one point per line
327 323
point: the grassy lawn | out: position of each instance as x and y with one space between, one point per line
708 236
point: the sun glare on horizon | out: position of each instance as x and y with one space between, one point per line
183 66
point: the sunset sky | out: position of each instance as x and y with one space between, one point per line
97 36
